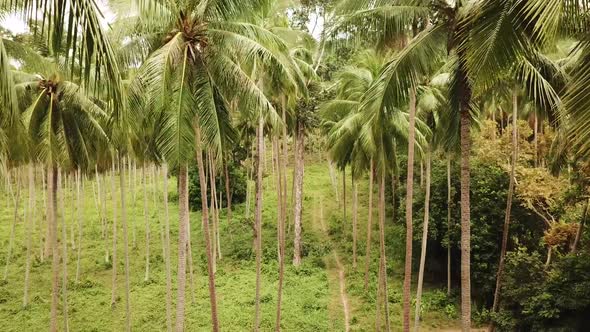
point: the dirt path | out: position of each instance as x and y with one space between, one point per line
343 296
339 271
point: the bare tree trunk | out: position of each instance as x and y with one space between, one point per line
182 243
114 258
167 256
280 231
228 194
506 227
80 201
52 224
334 180
449 202
369 226
536 139
383 258
14 221
132 188
125 242
45 185
147 223
354 220
409 203
580 228
258 219
465 218
64 233
28 229
298 210
344 192
205 222
424 243
212 211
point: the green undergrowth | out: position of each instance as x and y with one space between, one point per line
310 300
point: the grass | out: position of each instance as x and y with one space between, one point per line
311 298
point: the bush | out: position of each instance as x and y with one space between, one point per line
238 185
538 299
489 186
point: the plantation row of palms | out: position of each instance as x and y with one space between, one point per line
166 83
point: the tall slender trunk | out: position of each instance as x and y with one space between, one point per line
167 246
212 211
506 227
580 228
536 138
449 202
125 241
132 189
354 220
465 210
42 240
14 221
80 202
146 222
64 233
424 243
409 202
383 258
228 194
334 180
369 226
52 224
280 231
205 223
344 192
284 166
114 258
182 244
298 209
28 229
258 218
45 186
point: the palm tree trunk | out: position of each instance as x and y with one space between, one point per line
147 223
29 221
167 246
212 212
580 228
228 194
299 171
45 189
334 180
205 223
344 192
506 227
354 220
383 258
465 208
258 219
114 258
182 244
80 201
280 231
369 226
424 243
64 250
14 221
52 224
125 242
449 201
536 139
409 202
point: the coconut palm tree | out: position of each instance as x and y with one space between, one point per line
63 125
481 37
202 63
